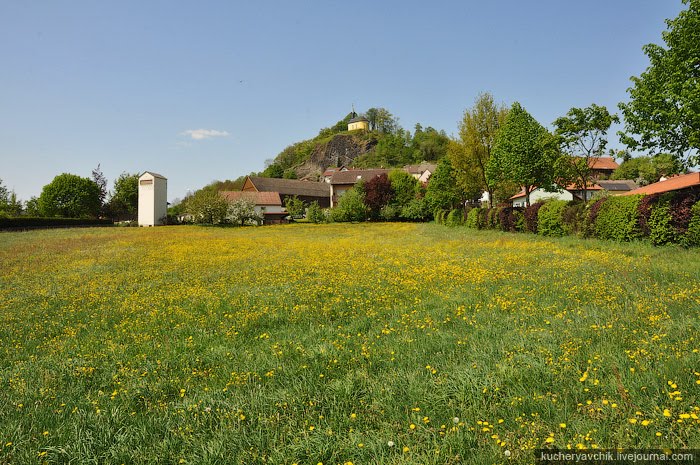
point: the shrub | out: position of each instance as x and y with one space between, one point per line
644 211
531 213
455 218
473 218
351 207
590 218
692 235
519 219
681 209
492 218
314 213
661 231
415 210
508 219
617 218
573 218
483 218
389 212
549 218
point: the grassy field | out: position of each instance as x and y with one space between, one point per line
335 344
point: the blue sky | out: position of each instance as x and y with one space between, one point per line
130 84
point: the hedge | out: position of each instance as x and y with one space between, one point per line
692 235
531 213
454 218
27 222
549 218
473 218
617 218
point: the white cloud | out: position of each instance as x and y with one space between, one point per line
200 134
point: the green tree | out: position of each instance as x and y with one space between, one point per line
428 144
381 120
314 213
443 191
294 206
664 107
70 196
647 170
207 207
99 178
9 204
582 137
406 188
351 206
471 153
124 202
524 152
31 207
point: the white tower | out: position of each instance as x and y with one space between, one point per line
153 199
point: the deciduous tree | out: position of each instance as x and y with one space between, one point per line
663 113
70 196
524 152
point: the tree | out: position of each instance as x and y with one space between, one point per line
378 193
351 206
314 213
477 135
207 207
71 196
9 204
124 201
428 144
664 107
647 170
582 136
443 191
381 120
405 187
524 152
294 206
243 211
99 178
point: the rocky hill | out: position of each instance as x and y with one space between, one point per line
339 150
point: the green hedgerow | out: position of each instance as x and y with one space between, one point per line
617 218
549 218
692 236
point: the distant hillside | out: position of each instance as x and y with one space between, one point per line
386 144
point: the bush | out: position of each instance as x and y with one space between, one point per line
681 209
617 218
455 218
483 218
509 220
574 218
549 218
519 219
314 213
492 218
389 212
592 215
473 218
439 215
661 231
415 210
351 207
27 222
531 214
692 235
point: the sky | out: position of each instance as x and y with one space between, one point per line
209 90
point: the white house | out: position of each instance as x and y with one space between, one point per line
153 199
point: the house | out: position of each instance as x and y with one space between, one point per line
330 171
153 199
308 191
568 193
680 182
267 203
602 167
421 172
343 181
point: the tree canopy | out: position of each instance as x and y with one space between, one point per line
70 196
524 152
663 113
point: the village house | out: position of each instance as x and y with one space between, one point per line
307 191
422 171
268 204
343 181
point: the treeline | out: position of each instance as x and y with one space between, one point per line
72 196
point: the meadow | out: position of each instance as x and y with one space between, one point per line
341 344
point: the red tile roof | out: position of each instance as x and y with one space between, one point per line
603 163
352 176
682 181
258 198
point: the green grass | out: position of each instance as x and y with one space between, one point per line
325 343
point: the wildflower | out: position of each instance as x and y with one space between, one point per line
406 449
390 443
562 425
